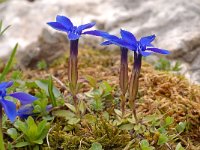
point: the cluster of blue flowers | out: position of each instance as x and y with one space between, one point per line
127 41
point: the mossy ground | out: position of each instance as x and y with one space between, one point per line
160 92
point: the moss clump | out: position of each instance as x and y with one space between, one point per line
85 133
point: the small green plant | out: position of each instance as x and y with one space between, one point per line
144 144
96 146
50 90
179 147
32 133
41 65
164 64
101 96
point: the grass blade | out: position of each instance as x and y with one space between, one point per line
9 64
51 94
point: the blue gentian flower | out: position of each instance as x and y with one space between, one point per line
143 47
64 24
27 110
74 32
9 106
128 40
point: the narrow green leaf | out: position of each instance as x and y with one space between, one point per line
51 93
145 145
91 119
169 121
2 32
82 106
41 126
21 126
127 127
32 128
118 112
12 132
43 84
21 144
39 141
96 146
44 132
64 113
106 87
91 80
71 107
181 126
179 147
73 121
163 138
9 64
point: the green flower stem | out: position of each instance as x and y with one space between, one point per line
123 77
134 83
73 71
1 133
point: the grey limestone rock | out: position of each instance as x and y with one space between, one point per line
176 23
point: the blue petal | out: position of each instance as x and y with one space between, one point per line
24 98
66 22
85 26
143 53
106 43
157 50
3 84
6 84
49 107
128 36
113 39
150 45
73 36
9 109
9 84
97 33
57 26
145 41
117 41
25 111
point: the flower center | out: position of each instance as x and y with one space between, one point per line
75 31
140 47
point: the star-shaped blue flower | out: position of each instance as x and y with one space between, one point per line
9 106
128 40
64 24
